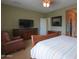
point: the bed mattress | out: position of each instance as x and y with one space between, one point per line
60 47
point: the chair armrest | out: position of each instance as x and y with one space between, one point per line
14 41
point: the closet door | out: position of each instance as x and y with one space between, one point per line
71 22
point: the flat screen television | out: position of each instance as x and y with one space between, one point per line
24 23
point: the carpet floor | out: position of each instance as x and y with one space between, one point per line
22 54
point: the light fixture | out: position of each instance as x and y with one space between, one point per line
47 3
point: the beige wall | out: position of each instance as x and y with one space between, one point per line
10 16
60 12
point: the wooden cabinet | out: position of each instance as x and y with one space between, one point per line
53 32
25 33
71 22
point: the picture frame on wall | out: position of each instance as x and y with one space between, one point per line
56 21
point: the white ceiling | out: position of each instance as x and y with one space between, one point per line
36 5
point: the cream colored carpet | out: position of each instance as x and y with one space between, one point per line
22 54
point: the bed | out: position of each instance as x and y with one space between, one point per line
58 47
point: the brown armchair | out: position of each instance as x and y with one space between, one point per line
8 45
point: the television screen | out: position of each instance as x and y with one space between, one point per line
24 23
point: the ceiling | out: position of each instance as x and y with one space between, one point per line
36 5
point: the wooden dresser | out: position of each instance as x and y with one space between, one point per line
25 33
53 32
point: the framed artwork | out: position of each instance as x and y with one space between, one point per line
56 21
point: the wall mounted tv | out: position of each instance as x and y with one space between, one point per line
24 23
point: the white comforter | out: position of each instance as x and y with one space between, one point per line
61 47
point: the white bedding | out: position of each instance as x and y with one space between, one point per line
61 47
